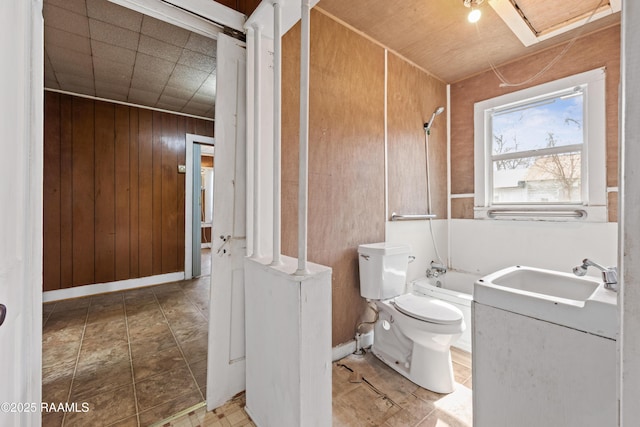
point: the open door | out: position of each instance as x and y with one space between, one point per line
21 189
226 363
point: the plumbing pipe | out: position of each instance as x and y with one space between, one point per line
303 178
257 73
277 128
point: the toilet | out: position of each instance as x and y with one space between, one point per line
413 333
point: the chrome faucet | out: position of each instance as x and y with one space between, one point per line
436 270
609 274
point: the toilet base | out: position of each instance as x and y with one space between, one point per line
428 366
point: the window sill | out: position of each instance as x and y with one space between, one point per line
556 213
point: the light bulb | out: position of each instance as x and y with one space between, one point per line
474 15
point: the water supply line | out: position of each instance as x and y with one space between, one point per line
427 132
372 306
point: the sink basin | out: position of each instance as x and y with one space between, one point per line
577 302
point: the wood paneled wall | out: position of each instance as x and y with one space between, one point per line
243 6
113 198
599 49
346 156
347 152
412 96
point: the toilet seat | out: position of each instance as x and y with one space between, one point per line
428 309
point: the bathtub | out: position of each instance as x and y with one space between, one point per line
456 288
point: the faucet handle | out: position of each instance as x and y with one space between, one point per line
610 276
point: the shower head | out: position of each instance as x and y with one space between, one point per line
427 125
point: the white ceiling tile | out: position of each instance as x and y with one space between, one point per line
188 78
201 44
105 11
66 79
164 31
76 6
114 35
113 53
175 103
198 61
147 83
80 89
111 95
102 87
143 97
66 20
51 83
209 86
108 69
203 99
67 61
151 64
66 40
196 106
159 49
177 92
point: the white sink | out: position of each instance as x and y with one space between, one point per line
577 302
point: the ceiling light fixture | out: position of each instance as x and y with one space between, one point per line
474 15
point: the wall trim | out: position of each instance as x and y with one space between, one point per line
345 349
101 288
128 104
462 196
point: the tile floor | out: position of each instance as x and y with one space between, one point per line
136 357
139 358
366 392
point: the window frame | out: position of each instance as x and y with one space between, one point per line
593 173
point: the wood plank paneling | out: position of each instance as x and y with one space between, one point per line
113 202
157 188
169 198
134 212
83 192
122 196
412 97
51 196
66 191
145 192
181 160
105 242
599 49
346 157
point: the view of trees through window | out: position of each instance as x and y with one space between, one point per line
537 150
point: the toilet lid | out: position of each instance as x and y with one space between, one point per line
428 309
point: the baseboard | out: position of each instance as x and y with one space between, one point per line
343 350
101 288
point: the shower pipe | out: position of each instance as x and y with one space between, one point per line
427 132
257 34
303 185
277 129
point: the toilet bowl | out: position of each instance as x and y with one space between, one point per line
414 333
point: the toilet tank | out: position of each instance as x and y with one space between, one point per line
383 269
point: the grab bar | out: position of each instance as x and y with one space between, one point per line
399 217
577 213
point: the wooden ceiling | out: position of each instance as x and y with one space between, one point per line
435 34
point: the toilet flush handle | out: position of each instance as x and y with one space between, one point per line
365 256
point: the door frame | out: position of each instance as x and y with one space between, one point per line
188 200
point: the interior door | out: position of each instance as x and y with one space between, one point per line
21 189
226 363
196 229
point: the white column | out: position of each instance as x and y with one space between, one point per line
257 54
277 128
303 197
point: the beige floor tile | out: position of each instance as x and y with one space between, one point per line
460 356
199 370
196 349
101 379
362 406
461 373
167 409
96 355
157 363
105 408
164 387
151 345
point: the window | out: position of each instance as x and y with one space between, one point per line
540 152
